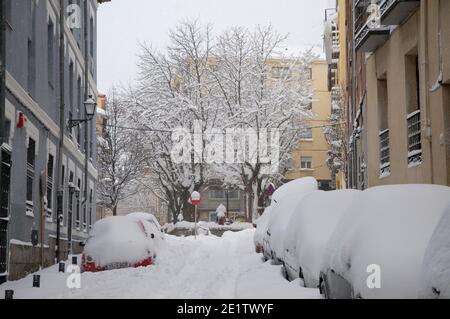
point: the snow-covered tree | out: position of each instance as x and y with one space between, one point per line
121 157
336 136
262 90
209 85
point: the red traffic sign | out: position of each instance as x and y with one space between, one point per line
195 199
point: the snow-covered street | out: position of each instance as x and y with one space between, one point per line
210 267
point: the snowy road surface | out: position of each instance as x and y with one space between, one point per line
209 267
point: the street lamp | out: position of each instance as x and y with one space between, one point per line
89 108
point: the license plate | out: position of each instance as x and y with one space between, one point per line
118 265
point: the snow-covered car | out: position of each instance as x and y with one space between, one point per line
378 247
120 242
309 230
149 218
261 228
435 278
284 202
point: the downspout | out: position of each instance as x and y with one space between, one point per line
60 192
427 90
87 123
353 100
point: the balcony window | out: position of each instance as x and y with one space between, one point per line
31 157
385 154
414 139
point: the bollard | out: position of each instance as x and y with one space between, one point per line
62 267
36 281
9 294
74 260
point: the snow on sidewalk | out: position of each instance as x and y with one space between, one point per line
209 267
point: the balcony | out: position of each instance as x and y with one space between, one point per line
414 139
385 154
395 12
369 33
369 39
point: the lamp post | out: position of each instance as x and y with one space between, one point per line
89 108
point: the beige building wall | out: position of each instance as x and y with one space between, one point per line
316 148
392 63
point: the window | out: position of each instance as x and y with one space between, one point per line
91 37
50 54
385 162
7 131
31 67
306 133
30 171
222 194
281 72
306 163
90 208
71 78
50 184
413 109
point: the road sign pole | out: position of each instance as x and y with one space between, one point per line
195 223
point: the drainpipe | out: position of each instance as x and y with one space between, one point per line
353 99
427 91
60 192
87 124
2 73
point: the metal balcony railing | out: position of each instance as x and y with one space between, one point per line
414 137
369 33
395 12
385 154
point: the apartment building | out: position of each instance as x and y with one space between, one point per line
310 158
30 151
397 91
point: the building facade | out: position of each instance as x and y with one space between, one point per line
215 194
310 158
398 91
30 151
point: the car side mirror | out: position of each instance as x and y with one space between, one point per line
152 236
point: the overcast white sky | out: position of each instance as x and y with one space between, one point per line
122 23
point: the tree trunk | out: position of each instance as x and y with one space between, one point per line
114 210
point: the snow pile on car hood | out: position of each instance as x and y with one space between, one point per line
120 239
389 227
435 279
261 226
284 202
311 227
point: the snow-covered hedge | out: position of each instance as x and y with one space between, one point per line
309 230
387 229
168 228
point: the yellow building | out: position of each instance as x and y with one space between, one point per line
407 112
310 158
